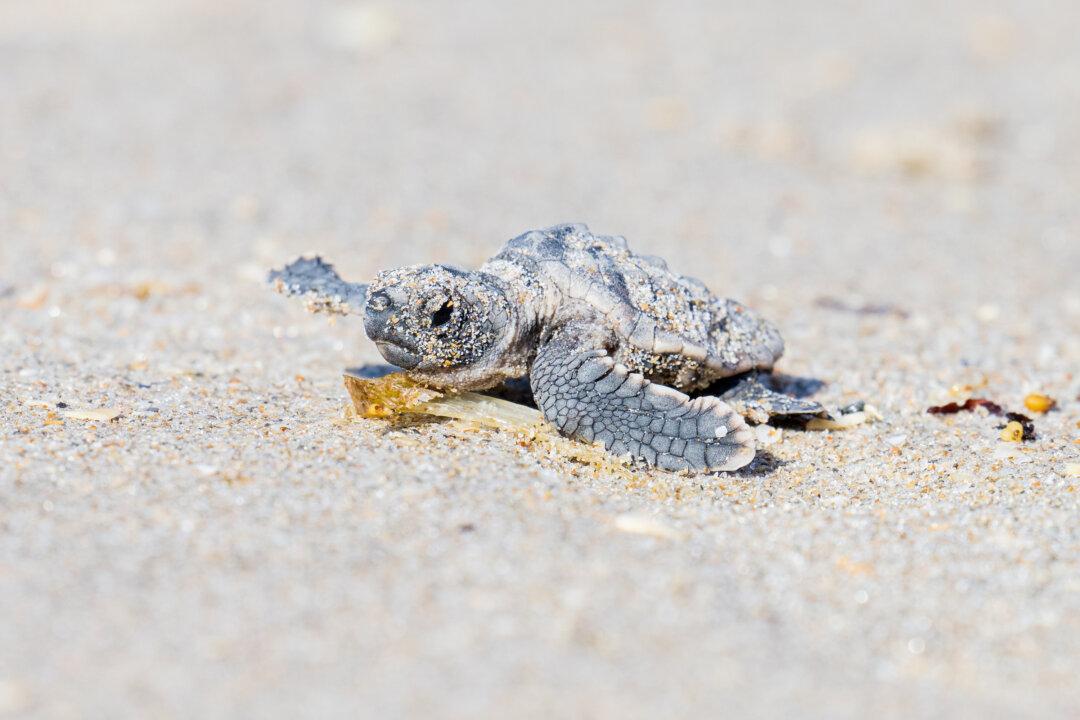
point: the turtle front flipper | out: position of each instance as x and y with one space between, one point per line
752 398
319 284
587 395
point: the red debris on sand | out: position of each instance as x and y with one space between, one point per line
992 407
969 406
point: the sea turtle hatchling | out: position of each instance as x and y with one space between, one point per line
610 341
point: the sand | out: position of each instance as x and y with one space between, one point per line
896 187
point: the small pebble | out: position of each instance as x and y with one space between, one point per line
1012 432
857 406
1037 402
768 435
644 525
988 313
1012 451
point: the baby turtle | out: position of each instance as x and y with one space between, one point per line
610 341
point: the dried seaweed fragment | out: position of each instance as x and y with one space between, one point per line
398 394
968 405
388 396
1026 424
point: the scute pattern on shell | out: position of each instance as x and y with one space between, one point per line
622 286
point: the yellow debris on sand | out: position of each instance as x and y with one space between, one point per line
397 394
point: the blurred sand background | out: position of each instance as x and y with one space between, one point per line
895 184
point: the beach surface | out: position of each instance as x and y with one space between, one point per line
190 528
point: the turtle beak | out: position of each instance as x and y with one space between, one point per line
397 355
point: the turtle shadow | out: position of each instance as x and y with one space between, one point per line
763 464
372 371
796 385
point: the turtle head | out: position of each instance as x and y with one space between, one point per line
445 326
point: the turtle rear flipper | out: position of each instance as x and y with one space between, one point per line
753 398
319 284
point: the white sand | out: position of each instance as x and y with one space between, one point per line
228 548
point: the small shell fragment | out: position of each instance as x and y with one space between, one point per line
767 435
1038 402
845 422
100 414
644 525
1012 432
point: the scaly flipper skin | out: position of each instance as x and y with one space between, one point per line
587 395
319 284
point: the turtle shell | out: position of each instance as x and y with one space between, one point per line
670 327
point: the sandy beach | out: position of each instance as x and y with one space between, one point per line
189 528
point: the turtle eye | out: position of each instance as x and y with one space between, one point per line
442 316
379 302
